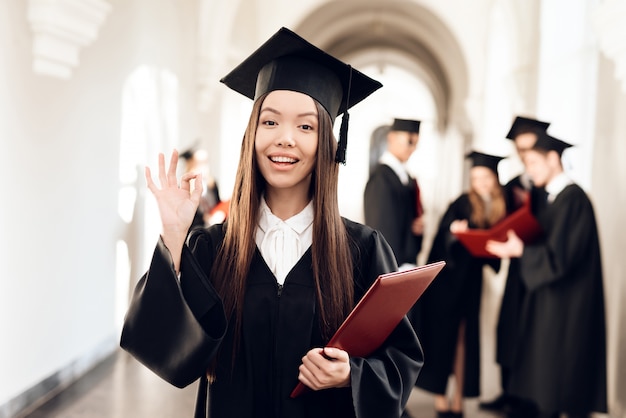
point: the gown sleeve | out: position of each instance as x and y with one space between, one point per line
571 237
445 242
381 383
174 327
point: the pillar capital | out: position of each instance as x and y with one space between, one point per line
60 29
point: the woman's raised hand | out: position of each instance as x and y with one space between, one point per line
177 203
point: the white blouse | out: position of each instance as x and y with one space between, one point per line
283 243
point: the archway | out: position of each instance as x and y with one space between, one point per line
401 38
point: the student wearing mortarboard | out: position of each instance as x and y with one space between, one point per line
561 360
197 161
447 315
392 202
523 133
260 295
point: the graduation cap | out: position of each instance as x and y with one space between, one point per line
522 124
480 159
406 125
187 154
287 61
190 151
546 142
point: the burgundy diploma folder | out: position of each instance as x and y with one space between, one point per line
521 221
380 310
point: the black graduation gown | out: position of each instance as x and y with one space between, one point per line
279 327
390 207
209 199
561 363
453 296
510 307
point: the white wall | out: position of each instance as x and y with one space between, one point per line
567 91
59 171
608 193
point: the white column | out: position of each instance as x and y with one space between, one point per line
609 21
567 83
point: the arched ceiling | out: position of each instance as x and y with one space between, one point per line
400 33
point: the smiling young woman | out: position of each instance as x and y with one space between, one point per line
260 296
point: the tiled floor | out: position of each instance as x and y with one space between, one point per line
121 387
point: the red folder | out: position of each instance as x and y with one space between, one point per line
521 221
380 310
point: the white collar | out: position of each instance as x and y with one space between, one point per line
396 165
298 222
556 186
283 243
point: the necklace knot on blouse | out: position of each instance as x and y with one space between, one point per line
282 243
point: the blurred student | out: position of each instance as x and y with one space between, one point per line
197 161
561 361
447 315
523 133
392 202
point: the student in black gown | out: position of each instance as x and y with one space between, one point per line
561 360
259 296
391 201
197 160
523 133
447 314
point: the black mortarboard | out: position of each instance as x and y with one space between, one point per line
287 61
187 154
485 160
406 125
549 143
522 124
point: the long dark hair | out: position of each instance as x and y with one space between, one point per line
483 216
332 263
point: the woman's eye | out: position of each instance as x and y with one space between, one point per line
269 123
306 127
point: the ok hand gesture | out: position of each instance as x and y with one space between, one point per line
177 203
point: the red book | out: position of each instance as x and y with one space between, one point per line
521 221
380 310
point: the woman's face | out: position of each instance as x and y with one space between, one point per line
286 140
483 181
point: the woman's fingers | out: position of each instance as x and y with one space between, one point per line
162 176
185 183
166 178
323 368
332 353
197 188
171 172
151 186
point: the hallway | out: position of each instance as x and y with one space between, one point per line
121 387
94 90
